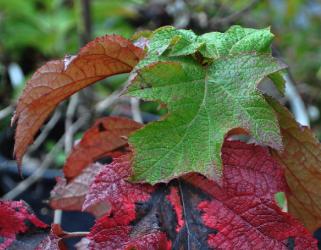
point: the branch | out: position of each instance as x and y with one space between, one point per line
6 111
25 184
45 131
107 102
74 234
295 100
71 109
86 21
296 103
137 115
57 216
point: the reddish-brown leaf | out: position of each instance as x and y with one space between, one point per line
57 80
71 196
16 219
105 136
195 213
302 160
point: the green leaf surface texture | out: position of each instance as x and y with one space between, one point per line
209 85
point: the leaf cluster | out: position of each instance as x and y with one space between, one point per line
183 181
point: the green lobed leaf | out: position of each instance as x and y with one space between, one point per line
204 103
181 42
278 79
236 40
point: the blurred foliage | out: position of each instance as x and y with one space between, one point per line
44 29
42 25
34 31
52 26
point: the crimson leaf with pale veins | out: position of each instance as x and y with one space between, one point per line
194 212
204 103
110 185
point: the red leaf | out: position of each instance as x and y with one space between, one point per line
174 199
195 213
71 196
105 136
16 219
103 139
57 80
54 240
51 242
112 234
110 185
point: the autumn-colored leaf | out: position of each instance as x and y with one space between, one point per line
57 80
110 185
17 220
113 230
71 196
53 241
194 212
205 100
302 160
104 137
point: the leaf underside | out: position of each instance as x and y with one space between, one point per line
71 196
301 158
205 100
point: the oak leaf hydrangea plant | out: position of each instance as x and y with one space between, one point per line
183 182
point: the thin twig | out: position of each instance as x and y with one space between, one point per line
57 216
45 131
74 234
25 184
71 109
6 111
107 102
137 115
69 141
86 21
295 100
296 103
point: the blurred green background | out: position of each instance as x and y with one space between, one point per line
35 31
